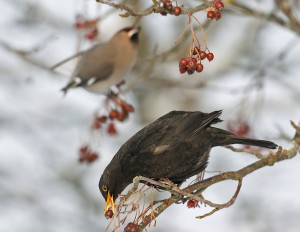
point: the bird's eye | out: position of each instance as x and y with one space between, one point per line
104 188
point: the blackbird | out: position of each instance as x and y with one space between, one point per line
176 146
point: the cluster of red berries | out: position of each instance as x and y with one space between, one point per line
239 127
109 214
192 203
123 112
88 27
193 63
131 227
100 120
214 12
86 155
115 114
169 8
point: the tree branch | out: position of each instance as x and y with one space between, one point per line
292 24
156 8
269 160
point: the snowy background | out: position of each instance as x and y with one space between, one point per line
43 187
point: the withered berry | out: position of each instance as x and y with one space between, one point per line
196 51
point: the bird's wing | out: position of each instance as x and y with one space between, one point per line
173 129
97 63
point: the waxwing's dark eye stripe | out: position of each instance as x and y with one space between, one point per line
127 29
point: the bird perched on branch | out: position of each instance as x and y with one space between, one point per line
105 65
176 146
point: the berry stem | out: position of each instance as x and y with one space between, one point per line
202 31
181 34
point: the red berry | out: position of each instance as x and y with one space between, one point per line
92 34
96 124
218 15
127 229
128 108
244 129
80 25
84 149
202 55
192 203
194 61
92 157
113 114
176 10
111 129
132 227
182 69
121 117
102 119
109 213
210 56
239 127
183 62
211 14
199 67
191 65
196 51
219 5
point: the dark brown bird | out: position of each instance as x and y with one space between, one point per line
176 146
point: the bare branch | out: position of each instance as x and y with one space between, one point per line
249 151
293 24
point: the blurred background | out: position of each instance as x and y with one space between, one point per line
254 78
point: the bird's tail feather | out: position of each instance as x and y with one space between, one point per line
223 137
253 142
72 84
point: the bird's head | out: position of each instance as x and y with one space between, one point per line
111 184
107 191
132 33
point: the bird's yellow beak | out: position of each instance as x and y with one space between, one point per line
109 203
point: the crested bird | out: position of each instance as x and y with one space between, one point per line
105 65
176 146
